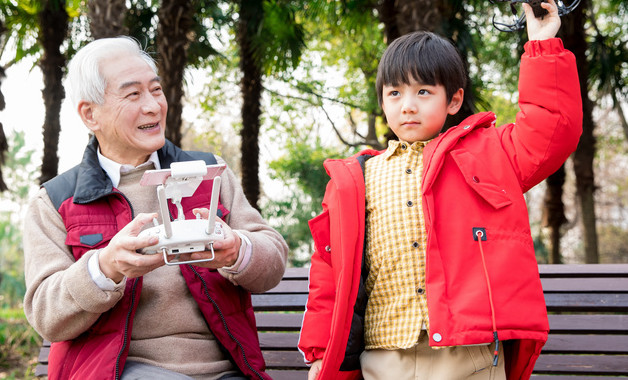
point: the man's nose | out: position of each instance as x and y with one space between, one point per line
150 104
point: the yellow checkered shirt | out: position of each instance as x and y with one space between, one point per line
395 247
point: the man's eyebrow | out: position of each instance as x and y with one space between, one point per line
135 83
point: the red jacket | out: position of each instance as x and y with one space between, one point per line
474 178
93 212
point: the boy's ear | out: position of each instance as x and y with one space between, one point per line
456 102
86 112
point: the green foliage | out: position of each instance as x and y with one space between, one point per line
19 345
302 172
19 173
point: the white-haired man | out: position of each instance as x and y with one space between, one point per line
110 312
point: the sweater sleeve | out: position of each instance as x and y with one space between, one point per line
549 124
61 301
269 253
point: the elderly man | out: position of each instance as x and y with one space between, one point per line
111 312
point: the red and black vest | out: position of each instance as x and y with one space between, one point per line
93 212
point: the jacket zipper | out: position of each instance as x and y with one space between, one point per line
479 234
224 321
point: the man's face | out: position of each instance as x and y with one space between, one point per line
417 112
131 122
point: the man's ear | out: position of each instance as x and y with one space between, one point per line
86 112
456 102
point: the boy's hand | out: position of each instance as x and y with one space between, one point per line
314 370
545 27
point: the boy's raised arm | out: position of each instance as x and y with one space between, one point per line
544 27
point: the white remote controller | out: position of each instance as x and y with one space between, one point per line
183 236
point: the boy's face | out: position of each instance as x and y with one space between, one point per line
417 112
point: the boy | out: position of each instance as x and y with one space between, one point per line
424 263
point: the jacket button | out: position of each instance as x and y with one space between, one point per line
466 127
475 179
328 248
437 337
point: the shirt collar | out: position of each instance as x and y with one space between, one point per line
114 169
396 147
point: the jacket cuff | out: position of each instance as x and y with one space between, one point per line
544 47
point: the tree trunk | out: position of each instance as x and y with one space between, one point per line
53 22
4 146
575 40
554 212
106 18
251 15
175 22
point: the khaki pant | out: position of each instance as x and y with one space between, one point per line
421 362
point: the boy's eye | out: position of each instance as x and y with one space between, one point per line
394 93
423 92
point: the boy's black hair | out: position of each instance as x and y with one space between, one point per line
424 57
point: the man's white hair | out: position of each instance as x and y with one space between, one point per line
84 77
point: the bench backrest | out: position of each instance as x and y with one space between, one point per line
588 315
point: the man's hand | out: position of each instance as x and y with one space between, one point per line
120 259
545 27
315 369
226 250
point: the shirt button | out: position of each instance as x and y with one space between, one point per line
403 146
415 244
437 337
409 203
420 291
408 171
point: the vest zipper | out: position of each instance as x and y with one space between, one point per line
224 321
126 331
479 235
128 316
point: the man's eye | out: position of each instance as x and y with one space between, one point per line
132 94
157 89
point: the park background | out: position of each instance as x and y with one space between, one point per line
277 86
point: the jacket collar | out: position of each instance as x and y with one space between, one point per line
436 151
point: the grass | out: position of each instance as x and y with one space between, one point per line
19 346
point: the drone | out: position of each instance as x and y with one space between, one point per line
183 235
520 20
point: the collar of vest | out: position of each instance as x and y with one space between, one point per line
88 182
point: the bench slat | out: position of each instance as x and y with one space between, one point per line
584 364
284 360
587 344
277 321
290 375
587 302
588 323
279 302
279 341
585 285
583 270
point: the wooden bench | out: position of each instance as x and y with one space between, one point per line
588 315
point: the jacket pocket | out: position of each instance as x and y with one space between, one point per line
319 227
81 240
477 174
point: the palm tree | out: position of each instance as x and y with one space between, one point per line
53 22
270 41
107 18
175 23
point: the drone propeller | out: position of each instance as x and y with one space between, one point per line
539 11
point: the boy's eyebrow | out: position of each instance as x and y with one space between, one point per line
135 83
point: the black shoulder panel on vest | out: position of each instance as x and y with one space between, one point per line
62 187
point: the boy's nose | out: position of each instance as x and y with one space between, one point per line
409 105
